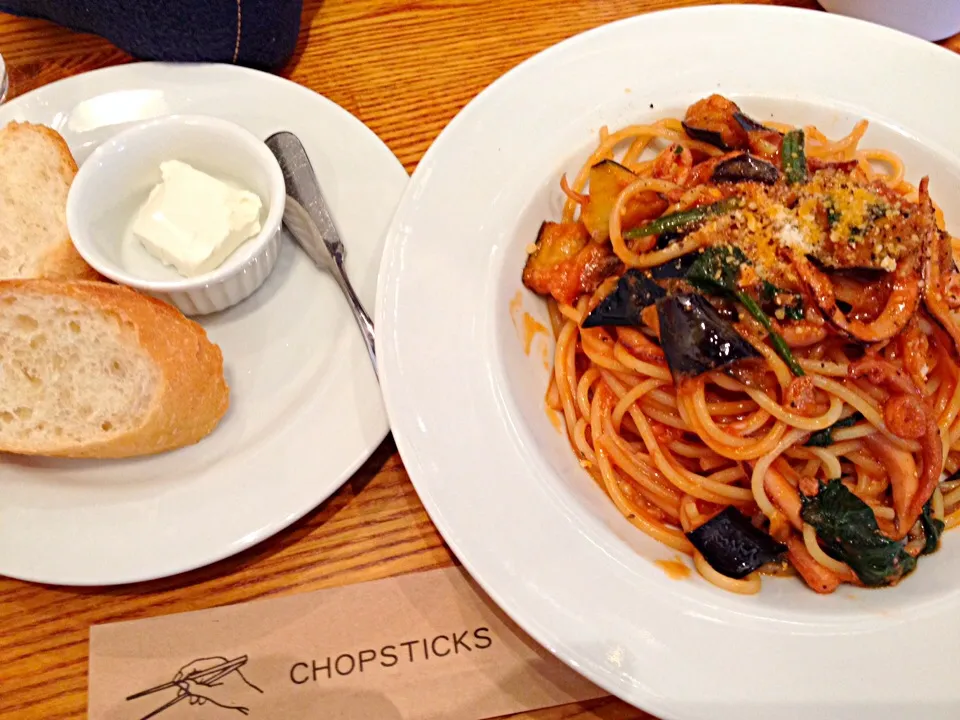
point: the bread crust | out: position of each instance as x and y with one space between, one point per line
192 394
61 262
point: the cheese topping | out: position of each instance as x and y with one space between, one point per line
834 218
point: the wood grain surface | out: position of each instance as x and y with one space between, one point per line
404 68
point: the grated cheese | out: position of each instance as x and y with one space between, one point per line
840 220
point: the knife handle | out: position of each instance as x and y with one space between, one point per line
359 313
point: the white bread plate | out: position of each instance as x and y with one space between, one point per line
305 406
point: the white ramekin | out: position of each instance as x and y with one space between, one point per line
927 19
116 179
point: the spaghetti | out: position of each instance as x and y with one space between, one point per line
756 353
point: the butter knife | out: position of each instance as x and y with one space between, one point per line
308 219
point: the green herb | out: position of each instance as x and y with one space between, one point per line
932 529
779 344
794 311
769 293
683 219
823 438
833 215
793 157
876 211
848 531
717 270
678 150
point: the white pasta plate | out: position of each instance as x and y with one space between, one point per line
465 396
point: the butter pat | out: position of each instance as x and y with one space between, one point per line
192 221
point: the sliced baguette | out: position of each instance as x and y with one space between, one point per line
36 170
90 369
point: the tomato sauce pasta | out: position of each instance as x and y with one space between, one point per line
756 349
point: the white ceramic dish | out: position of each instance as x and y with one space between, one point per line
499 478
114 183
927 19
305 403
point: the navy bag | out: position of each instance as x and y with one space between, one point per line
255 33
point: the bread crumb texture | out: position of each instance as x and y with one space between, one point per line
36 170
68 373
89 369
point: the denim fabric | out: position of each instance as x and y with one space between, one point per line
256 33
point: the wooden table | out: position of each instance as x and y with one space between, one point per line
405 69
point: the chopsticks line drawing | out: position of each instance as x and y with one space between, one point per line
218 672
202 677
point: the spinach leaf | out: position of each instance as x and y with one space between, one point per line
823 438
848 531
932 529
794 311
717 270
769 293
